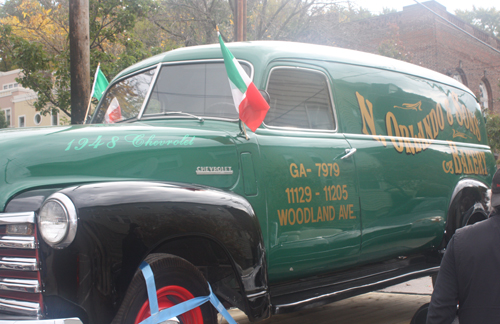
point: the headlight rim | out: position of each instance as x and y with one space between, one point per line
72 218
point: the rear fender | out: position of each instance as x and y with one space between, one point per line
469 204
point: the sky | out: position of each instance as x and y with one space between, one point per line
376 6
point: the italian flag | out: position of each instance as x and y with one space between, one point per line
250 105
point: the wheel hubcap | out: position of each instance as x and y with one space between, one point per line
167 297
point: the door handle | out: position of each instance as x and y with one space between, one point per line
348 153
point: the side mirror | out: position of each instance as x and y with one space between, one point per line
266 96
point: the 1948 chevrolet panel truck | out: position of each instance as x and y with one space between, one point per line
361 172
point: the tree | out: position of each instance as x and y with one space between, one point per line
192 22
393 46
36 41
326 27
483 18
3 121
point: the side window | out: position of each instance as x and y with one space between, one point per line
300 99
124 99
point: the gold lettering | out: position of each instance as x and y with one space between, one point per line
320 215
326 213
456 158
470 167
342 212
474 162
464 162
480 163
293 170
283 216
410 149
434 124
351 216
416 142
331 211
299 221
428 130
390 121
440 116
466 117
367 118
307 214
483 159
290 212
302 171
449 115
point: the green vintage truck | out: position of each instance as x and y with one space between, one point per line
361 172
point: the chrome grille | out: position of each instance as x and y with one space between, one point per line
20 287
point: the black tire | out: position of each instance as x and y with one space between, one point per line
168 270
420 316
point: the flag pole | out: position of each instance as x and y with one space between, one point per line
91 93
243 127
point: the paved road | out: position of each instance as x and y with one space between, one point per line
393 305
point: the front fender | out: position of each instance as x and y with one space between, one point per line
122 222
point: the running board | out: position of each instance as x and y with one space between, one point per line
325 294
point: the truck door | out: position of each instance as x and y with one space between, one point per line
312 199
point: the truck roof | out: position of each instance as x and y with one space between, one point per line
260 53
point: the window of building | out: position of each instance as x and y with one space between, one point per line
37 119
459 75
7 115
55 119
21 121
300 98
10 85
485 96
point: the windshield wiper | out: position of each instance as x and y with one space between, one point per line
183 113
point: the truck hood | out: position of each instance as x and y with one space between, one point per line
63 156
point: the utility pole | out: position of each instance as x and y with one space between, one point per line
79 54
240 28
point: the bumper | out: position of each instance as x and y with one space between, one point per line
18 320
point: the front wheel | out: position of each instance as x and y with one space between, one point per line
176 280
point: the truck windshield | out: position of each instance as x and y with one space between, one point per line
200 89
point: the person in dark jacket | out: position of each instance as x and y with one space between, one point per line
470 272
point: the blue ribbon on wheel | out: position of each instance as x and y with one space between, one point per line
176 310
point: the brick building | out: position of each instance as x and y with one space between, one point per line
428 39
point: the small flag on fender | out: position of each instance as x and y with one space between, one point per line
100 84
113 113
250 105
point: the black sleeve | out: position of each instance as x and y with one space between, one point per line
443 306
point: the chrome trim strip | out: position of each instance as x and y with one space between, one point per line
14 263
259 294
433 269
18 242
148 94
17 218
21 285
20 307
73 320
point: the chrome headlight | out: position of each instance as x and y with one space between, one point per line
57 221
